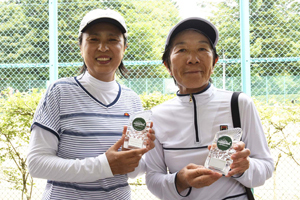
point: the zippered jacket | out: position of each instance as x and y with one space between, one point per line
184 127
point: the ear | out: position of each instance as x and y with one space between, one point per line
80 51
125 47
213 67
168 68
216 60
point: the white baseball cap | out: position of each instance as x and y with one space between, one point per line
100 15
203 25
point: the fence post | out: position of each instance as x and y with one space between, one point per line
267 89
245 46
53 43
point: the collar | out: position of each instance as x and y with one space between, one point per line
88 79
203 96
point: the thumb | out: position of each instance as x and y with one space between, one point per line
119 143
124 130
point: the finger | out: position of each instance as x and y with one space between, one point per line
234 172
239 146
192 166
150 141
203 171
242 163
150 145
124 134
208 176
151 136
151 124
137 152
238 168
241 154
205 179
133 160
209 147
131 155
124 130
119 143
151 131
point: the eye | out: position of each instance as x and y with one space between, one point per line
94 39
181 50
113 39
202 49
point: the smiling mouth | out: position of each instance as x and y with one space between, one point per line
103 59
193 72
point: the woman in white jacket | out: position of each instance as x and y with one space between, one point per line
186 125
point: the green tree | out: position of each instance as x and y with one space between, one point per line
274 33
24 37
17 110
24 40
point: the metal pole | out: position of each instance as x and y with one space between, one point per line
224 72
245 47
53 43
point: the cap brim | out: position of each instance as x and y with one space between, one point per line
195 23
108 20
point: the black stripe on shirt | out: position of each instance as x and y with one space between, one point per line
91 115
46 128
190 148
238 195
85 188
67 132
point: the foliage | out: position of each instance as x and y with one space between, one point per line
17 110
274 32
153 99
281 123
277 121
24 35
16 113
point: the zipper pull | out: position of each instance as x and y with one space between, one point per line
191 98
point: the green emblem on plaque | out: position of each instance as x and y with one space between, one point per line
139 124
224 143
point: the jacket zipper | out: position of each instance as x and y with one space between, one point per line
192 99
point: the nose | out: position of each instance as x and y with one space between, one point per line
103 47
193 58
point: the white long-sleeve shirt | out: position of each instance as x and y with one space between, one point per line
179 142
43 159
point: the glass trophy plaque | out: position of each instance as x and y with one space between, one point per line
136 135
218 158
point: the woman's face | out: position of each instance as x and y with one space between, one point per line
192 63
102 49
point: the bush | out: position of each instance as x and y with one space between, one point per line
153 99
17 110
16 114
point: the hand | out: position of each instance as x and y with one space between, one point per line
241 161
195 176
123 162
151 137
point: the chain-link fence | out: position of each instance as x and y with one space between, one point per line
274 48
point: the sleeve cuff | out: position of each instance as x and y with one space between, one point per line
238 175
185 192
105 168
